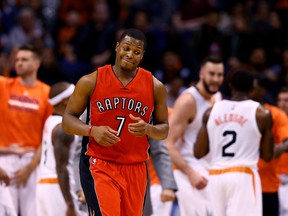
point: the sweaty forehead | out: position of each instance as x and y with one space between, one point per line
24 53
213 67
132 42
283 95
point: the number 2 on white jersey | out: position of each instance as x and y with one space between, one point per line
121 124
231 142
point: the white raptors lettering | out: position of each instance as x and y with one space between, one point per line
122 103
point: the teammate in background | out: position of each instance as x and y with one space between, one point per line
185 121
233 132
56 171
269 176
162 184
24 109
122 100
282 103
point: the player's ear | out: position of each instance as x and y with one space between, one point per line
117 45
143 54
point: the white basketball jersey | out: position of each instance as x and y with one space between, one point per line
192 129
48 162
234 137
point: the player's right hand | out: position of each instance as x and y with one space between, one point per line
104 135
168 195
197 180
4 178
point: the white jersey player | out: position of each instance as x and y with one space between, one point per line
233 132
185 121
56 186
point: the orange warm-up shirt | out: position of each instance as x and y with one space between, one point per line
268 171
283 162
152 172
23 112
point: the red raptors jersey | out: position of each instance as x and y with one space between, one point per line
111 103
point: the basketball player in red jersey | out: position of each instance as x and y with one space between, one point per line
123 99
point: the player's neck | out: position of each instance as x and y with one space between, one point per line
120 73
238 96
29 80
124 76
203 92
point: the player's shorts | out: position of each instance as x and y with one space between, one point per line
113 189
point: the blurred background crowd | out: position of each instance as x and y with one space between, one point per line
75 37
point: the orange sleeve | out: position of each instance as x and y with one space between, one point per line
269 171
282 130
283 162
152 172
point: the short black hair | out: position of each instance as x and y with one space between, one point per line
242 80
134 33
263 81
283 89
213 59
31 48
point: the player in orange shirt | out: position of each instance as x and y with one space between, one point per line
268 171
122 100
282 103
24 109
162 182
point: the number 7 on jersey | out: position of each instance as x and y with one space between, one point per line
121 124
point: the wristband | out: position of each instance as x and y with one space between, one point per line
89 130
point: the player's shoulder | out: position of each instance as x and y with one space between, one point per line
188 96
44 86
3 79
263 113
88 79
86 84
3 82
6 80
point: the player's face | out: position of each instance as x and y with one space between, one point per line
25 63
212 76
129 53
282 101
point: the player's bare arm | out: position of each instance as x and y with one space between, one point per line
201 146
183 113
62 142
265 122
281 148
103 135
159 129
77 104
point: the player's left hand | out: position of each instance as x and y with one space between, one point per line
81 196
168 195
139 128
21 175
